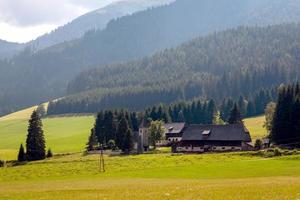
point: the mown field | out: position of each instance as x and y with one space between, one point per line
68 134
152 176
155 176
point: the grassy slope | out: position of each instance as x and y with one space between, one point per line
68 134
160 176
63 134
255 126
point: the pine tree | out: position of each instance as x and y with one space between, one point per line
99 128
127 145
35 142
281 120
21 155
235 115
121 131
92 142
286 120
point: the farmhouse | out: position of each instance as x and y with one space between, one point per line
214 138
172 133
199 138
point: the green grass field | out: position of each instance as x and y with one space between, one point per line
155 176
256 127
63 134
152 176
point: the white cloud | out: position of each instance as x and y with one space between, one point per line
23 34
24 20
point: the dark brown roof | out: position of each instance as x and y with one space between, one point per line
231 132
174 127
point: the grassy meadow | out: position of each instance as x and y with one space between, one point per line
155 176
162 175
63 134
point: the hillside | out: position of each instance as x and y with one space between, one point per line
129 38
95 20
227 64
8 49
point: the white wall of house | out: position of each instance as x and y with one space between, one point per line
213 149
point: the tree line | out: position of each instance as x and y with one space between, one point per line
118 129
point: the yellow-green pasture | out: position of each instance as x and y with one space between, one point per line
155 176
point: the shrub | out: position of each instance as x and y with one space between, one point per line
2 163
258 144
277 152
111 145
49 153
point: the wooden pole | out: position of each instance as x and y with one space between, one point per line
102 166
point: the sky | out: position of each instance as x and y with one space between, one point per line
25 20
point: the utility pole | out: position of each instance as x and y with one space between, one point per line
102 166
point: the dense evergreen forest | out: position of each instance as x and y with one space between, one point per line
132 37
228 64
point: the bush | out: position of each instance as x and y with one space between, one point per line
277 152
2 163
49 153
111 145
258 144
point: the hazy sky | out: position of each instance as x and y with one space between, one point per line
24 20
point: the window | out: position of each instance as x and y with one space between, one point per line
206 132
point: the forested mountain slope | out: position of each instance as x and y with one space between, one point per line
127 38
7 48
227 64
95 20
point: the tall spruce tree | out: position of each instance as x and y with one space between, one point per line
93 141
99 128
35 142
123 127
235 115
21 155
127 145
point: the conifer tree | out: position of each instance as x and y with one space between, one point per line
35 142
121 131
127 145
21 155
235 115
92 142
99 128
286 120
